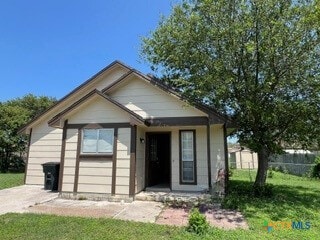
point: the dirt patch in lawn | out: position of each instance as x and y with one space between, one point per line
217 217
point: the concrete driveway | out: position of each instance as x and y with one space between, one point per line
141 211
19 199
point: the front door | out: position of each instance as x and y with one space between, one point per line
158 159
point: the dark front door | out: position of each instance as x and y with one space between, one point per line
158 159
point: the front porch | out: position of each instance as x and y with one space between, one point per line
175 198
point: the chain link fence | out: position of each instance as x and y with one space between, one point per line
297 164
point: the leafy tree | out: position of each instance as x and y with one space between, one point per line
34 104
256 60
14 114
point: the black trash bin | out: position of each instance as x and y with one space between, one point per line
51 175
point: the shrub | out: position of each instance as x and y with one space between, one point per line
16 164
197 222
315 170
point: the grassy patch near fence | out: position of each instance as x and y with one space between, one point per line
291 198
8 180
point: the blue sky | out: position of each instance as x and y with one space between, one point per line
50 47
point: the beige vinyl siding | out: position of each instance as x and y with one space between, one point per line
140 160
217 150
70 160
148 101
123 161
109 78
45 146
98 110
95 176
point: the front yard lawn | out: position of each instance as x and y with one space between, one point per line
8 180
293 199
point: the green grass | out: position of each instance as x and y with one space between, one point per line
32 226
8 180
294 199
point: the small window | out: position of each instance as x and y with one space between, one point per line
187 156
97 141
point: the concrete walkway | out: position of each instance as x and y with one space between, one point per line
36 200
140 211
19 199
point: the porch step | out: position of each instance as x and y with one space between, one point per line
177 199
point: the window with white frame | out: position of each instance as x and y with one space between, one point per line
97 141
187 156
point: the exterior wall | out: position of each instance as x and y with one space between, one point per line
70 160
140 160
98 110
148 101
123 161
217 150
109 78
95 175
45 146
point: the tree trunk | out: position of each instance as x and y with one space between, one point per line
261 177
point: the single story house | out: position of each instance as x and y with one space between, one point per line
122 131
